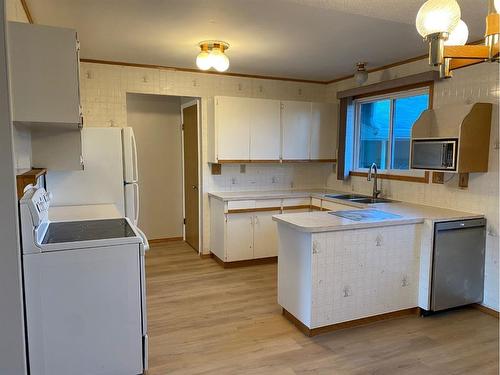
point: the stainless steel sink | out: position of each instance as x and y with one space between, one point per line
369 200
357 198
346 196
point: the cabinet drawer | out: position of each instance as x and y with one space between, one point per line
296 203
268 203
240 205
331 206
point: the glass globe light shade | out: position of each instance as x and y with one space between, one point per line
203 60
219 60
459 35
361 76
437 16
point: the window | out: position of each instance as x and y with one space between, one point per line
383 128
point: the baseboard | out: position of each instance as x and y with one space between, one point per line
163 240
349 324
244 263
206 256
486 310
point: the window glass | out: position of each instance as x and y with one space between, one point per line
406 112
374 135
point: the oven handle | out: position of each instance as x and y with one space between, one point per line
145 243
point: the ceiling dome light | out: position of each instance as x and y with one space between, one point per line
219 60
212 55
361 74
459 35
438 16
203 60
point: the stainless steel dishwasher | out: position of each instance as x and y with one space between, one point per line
458 263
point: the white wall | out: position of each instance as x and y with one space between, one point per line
156 120
12 345
477 83
104 89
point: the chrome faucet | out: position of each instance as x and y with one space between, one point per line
373 167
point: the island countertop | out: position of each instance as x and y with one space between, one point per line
408 213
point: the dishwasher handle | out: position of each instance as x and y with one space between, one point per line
459 224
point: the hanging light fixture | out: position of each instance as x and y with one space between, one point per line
439 23
212 55
361 74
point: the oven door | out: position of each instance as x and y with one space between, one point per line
434 154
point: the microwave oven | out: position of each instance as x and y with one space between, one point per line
434 154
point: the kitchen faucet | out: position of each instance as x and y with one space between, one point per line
376 192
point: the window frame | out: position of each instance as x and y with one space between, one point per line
392 95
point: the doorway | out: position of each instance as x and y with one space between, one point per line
168 162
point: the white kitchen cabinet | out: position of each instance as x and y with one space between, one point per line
323 132
232 124
265 235
296 128
239 237
265 129
44 73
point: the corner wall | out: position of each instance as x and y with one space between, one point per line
478 83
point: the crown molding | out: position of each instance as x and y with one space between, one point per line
289 79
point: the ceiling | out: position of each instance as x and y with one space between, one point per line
300 39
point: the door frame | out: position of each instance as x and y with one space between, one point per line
196 102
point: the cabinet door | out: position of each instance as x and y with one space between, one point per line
232 117
323 132
239 237
296 124
265 129
265 235
44 68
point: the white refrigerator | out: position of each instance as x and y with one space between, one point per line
108 185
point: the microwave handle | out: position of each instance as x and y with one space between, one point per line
444 153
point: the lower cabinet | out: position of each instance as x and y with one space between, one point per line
239 237
265 235
250 235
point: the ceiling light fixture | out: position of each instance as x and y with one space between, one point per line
361 74
212 55
439 22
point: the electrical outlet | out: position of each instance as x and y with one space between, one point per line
234 181
275 180
243 168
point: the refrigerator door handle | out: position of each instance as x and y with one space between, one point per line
135 174
136 203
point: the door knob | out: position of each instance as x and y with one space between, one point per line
195 187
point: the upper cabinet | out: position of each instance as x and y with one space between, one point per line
323 132
44 72
232 119
265 129
243 129
296 121
262 130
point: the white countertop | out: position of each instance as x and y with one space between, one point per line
410 214
324 222
268 194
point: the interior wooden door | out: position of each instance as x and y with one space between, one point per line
191 188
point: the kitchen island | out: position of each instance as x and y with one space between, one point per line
335 272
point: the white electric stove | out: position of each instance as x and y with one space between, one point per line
84 293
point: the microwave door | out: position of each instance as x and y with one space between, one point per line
427 155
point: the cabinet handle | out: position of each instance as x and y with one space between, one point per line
256 220
251 220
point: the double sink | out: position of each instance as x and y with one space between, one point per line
356 198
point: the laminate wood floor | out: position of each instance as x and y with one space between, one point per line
204 319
